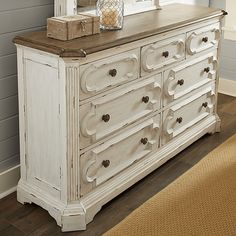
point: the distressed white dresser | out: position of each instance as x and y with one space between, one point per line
99 113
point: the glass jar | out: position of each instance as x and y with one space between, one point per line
111 14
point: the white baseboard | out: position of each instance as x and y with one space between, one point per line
227 87
9 180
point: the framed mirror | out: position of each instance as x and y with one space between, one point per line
71 7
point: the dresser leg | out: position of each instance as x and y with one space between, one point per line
21 198
218 124
217 128
73 220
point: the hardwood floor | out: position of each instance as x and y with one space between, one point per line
17 219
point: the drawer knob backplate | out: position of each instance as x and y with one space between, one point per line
106 118
165 54
207 69
205 39
179 120
205 104
145 99
180 82
113 72
144 141
106 163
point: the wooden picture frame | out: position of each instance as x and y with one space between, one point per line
70 7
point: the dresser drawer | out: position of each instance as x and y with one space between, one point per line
112 112
113 156
187 113
189 76
203 39
162 53
107 73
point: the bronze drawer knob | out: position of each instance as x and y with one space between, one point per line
106 163
145 99
180 82
106 117
205 39
144 141
179 120
113 72
165 54
207 69
205 104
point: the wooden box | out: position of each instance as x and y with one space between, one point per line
95 22
71 27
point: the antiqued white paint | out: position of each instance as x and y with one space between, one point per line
65 7
69 7
181 80
141 43
190 111
42 98
162 53
121 151
72 133
65 140
195 42
21 100
93 128
96 77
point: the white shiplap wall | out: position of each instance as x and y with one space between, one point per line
16 17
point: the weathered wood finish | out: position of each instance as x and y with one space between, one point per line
136 27
101 143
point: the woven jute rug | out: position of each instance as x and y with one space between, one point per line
200 202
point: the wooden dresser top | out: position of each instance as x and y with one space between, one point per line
136 27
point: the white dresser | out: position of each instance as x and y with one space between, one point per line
99 113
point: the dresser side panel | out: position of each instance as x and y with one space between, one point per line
42 124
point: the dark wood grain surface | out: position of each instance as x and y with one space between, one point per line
136 27
22 220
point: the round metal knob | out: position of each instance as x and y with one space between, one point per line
205 39
145 99
113 72
205 104
207 69
165 54
106 118
106 163
144 141
180 82
179 120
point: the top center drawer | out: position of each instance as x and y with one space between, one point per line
107 73
162 53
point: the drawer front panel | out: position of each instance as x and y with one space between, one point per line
108 159
203 39
187 113
112 112
104 74
163 53
189 76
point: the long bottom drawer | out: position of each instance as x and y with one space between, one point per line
113 156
